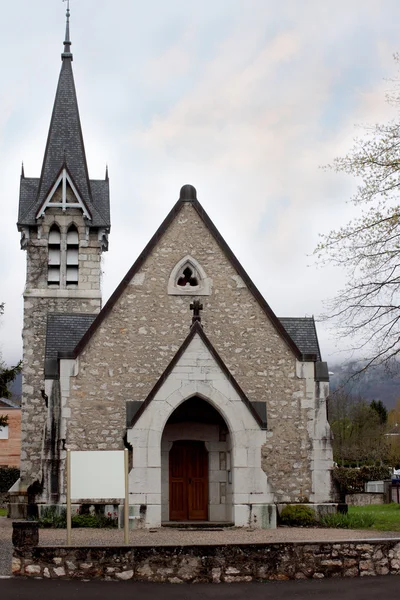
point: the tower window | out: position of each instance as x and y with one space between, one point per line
72 263
54 257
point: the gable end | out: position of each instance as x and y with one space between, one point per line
229 255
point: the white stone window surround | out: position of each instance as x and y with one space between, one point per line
204 283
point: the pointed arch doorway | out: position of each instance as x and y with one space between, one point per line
194 448
188 481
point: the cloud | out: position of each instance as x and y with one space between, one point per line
245 99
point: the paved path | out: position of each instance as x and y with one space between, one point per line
365 588
175 537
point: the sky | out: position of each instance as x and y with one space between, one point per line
244 99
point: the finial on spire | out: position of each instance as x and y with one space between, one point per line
22 171
67 41
106 173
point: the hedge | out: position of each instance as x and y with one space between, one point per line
8 476
352 480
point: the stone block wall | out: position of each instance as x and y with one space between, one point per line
211 564
39 300
364 499
89 250
34 411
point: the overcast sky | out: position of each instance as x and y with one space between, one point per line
244 99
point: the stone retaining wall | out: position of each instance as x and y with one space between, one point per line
206 563
365 499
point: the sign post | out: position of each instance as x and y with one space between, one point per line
69 524
126 507
97 474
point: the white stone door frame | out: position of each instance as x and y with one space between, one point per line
197 374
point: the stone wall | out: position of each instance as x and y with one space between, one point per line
39 300
196 564
364 499
138 339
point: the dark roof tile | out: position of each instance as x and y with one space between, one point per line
304 334
65 148
63 333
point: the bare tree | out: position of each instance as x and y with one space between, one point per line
368 308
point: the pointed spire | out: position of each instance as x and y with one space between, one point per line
65 146
67 42
22 171
65 150
106 177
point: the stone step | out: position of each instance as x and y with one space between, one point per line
198 525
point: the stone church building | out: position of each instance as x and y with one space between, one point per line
221 404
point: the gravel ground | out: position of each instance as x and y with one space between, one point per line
175 537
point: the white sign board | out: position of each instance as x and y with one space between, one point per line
97 474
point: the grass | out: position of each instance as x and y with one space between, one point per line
386 516
349 521
3 512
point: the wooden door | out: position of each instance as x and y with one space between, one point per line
188 482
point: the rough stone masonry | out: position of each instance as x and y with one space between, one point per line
211 564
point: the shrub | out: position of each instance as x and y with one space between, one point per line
56 517
8 476
297 515
351 480
96 521
348 521
53 517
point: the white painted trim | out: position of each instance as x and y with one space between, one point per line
63 178
205 283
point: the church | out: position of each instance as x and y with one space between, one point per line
221 404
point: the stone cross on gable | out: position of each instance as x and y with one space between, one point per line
196 307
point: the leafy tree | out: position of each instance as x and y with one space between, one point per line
358 433
381 410
368 308
7 375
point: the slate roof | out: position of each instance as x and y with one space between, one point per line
7 403
63 333
65 148
304 334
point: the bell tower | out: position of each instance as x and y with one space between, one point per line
64 221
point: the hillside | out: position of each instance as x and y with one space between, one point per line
374 384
